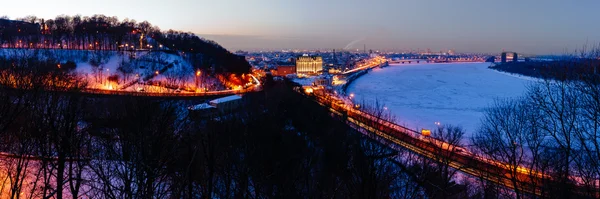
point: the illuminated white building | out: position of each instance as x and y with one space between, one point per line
309 64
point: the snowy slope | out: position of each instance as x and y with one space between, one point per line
145 63
419 95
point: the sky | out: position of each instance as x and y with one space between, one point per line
487 26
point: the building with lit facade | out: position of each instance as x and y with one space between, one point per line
309 64
284 69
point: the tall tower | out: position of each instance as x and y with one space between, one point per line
365 48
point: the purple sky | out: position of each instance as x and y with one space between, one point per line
539 27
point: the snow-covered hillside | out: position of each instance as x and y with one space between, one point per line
126 68
425 95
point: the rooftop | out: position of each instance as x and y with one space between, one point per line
226 99
286 64
200 107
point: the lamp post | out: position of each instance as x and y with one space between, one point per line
198 73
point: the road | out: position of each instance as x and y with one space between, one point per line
461 159
173 94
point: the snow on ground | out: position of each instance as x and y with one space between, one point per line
419 95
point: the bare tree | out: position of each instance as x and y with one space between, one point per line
588 133
510 134
447 140
558 105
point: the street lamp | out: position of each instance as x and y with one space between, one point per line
198 73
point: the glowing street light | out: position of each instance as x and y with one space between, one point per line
198 73
156 72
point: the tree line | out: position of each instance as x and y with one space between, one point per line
100 32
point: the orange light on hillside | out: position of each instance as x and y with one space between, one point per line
308 90
156 72
198 73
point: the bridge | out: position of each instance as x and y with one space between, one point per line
438 60
408 61
515 56
367 65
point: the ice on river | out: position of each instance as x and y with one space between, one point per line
421 95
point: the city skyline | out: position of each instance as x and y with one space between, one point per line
553 27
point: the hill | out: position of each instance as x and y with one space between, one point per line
120 50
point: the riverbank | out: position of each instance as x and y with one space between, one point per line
557 70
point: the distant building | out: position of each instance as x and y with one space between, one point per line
451 52
284 69
309 64
326 80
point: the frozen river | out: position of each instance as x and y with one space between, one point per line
421 95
